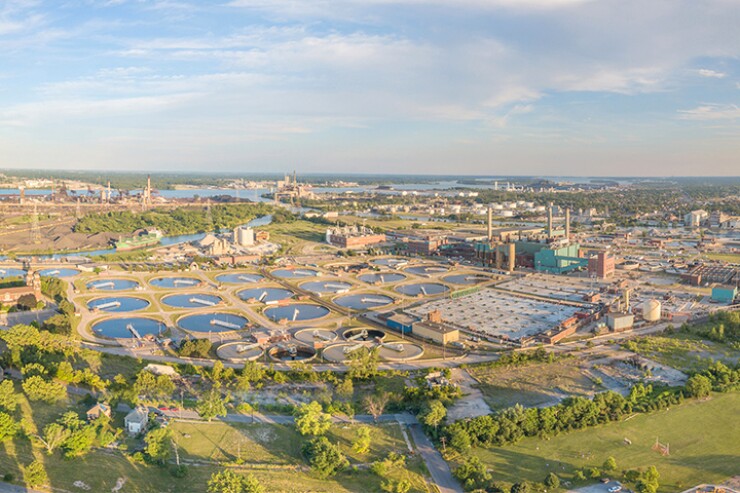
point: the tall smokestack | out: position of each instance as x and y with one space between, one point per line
490 223
567 224
549 221
511 257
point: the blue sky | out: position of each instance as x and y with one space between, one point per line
541 87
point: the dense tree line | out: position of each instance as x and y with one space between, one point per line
510 425
183 220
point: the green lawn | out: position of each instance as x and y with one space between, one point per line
703 438
271 452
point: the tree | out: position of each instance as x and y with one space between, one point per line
229 482
54 436
345 389
211 405
523 487
225 482
552 481
158 444
252 484
324 457
698 386
375 404
459 439
34 474
363 364
66 373
8 427
146 383
648 481
610 464
165 386
27 301
361 443
195 348
473 474
8 397
38 389
58 324
433 414
79 442
310 419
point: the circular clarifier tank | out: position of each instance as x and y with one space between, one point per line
296 312
129 328
313 336
427 270
6 272
239 351
381 277
112 285
291 352
296 273
466 278
175 282
212 322
117 304
239 278
192 300
59 273
363 301
422 288
364 334
390 262
321 287
340 352
265 295
400 351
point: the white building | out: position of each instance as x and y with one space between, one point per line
135 422
694 218
244 236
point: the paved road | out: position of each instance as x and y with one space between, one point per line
11 488
438 467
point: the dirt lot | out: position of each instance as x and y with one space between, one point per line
55 235
535 385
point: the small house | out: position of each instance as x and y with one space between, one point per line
99 409
135 422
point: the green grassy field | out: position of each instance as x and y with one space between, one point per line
685 351
703 438
271 452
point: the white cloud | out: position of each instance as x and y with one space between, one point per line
711 112
704 72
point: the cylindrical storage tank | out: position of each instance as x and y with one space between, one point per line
651 310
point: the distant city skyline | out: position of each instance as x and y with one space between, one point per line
471 87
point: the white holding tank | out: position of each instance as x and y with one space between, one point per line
651 310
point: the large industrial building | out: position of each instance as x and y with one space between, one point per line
10 296
601 265
353 237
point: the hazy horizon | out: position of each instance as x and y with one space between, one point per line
478 87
